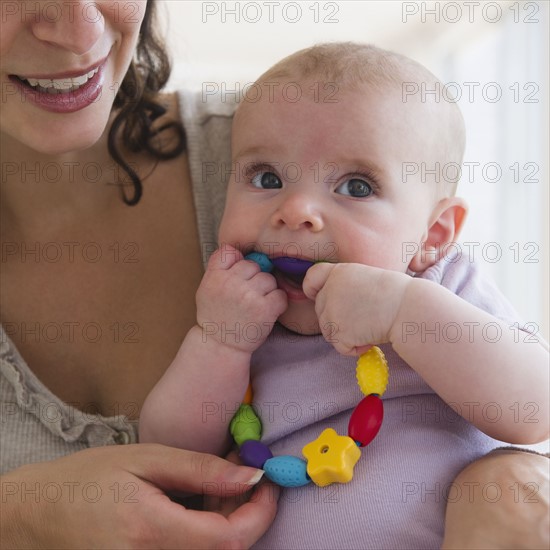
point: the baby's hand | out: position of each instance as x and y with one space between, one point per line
237 304
356 305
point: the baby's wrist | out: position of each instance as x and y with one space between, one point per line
407 285
222 345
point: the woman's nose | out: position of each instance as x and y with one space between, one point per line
75 26
299 210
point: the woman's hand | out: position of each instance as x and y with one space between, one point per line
228 503
114 497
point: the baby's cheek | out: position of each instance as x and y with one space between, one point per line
237 225
390 254
229 228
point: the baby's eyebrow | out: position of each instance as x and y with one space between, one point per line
254 151
360 166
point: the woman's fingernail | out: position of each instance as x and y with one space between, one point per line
256 477
244 475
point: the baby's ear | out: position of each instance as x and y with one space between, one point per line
446 222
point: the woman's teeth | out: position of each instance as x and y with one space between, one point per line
59 85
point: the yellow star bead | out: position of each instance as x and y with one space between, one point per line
372 372
331 458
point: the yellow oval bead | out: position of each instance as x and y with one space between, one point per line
372 372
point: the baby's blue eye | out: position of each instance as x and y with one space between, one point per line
266 180
355 187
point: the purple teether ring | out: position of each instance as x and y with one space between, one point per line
292 266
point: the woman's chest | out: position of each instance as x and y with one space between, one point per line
102 348
98 316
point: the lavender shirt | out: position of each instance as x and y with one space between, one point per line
403 479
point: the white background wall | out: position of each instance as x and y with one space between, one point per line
485 47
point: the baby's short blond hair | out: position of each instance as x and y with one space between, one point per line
353 66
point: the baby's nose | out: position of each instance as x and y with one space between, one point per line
299 210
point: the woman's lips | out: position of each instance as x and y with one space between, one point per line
66 102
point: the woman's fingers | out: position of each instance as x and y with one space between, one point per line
178 470
182 528
252 519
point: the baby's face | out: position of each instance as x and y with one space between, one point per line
323 181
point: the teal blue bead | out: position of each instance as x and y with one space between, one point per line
287 471
262 260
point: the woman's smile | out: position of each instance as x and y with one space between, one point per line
66 93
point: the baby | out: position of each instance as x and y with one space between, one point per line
319 163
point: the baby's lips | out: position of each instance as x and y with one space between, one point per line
292 266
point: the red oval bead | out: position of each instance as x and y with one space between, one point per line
366 419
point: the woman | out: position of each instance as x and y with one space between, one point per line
100 263
79 89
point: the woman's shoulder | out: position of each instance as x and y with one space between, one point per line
202 104
196 107
207 122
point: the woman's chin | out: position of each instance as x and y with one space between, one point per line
56 134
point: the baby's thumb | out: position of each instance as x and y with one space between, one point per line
315 279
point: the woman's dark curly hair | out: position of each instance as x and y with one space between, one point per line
138 108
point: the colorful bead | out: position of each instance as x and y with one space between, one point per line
331 458
248 397
254 453
366 419
287 471
262 260
245 425
372 372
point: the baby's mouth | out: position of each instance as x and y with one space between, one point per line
290 273
295 281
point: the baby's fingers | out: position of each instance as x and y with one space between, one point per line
315 279
224 257
278 301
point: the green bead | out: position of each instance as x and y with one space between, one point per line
245 425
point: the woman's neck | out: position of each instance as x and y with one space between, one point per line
39 190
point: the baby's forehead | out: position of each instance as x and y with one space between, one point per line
348 66
295 92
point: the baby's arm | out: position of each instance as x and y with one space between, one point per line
192 404
480 376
